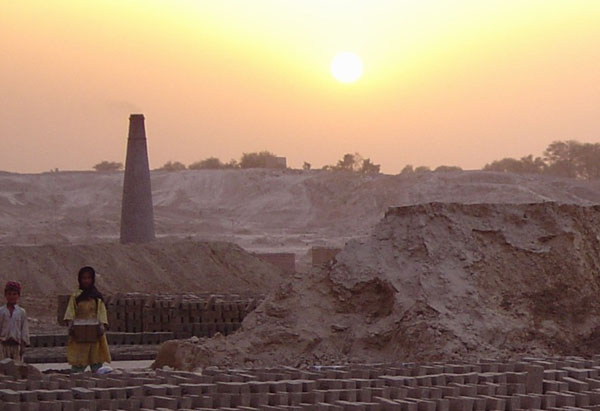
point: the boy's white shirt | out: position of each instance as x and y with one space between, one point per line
14 327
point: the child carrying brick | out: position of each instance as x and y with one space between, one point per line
14 329
86 312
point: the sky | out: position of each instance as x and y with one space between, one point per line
459 82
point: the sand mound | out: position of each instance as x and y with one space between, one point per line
433 281
180 267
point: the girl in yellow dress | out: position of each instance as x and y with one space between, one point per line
87 304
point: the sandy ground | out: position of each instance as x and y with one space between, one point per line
123 365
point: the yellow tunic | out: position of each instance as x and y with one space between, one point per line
84 354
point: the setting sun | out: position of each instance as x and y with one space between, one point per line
346 67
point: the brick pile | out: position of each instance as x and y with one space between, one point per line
547 384
201 315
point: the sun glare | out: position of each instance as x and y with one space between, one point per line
346 67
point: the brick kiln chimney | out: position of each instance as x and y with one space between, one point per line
137 215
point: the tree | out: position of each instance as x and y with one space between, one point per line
573 159
422 169
263 159
172 166
108 166
407 170
525 165
368 167
350 162
210 163
306 166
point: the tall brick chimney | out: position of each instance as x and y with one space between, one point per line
137 215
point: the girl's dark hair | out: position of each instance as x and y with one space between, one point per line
91 291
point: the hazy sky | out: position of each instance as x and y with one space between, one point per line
445 82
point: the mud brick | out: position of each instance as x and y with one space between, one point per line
563 386
513 402
130 404
233 387
258 399
294 386
548 401
581 399
19 385
493 403
461 403
455 378
64 395
442 404
134 391
516 377
364 395
221 400
164 402
184 403
450 391
594 397
563 399
348 395
425 405
101 393
479 403
8 395
313 397
132 338
593 383
258 386
350 406
154 390
466 390
173 390
66 405
385 392
295 398
399 392
550 375
407 405
280 398
576 373
576 385
517 388
549 385
50 406
489 367
388 405
47 395
80 393
117 393
277 386
28 395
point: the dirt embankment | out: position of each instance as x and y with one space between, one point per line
433 281
179 267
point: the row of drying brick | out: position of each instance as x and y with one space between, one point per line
475 387
146 313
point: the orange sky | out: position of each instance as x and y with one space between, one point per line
445 82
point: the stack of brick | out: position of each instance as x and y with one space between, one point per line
539 384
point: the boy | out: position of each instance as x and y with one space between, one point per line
14 330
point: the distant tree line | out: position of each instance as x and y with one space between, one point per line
262 159
561 158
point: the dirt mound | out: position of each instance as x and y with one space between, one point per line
433 281
180 267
